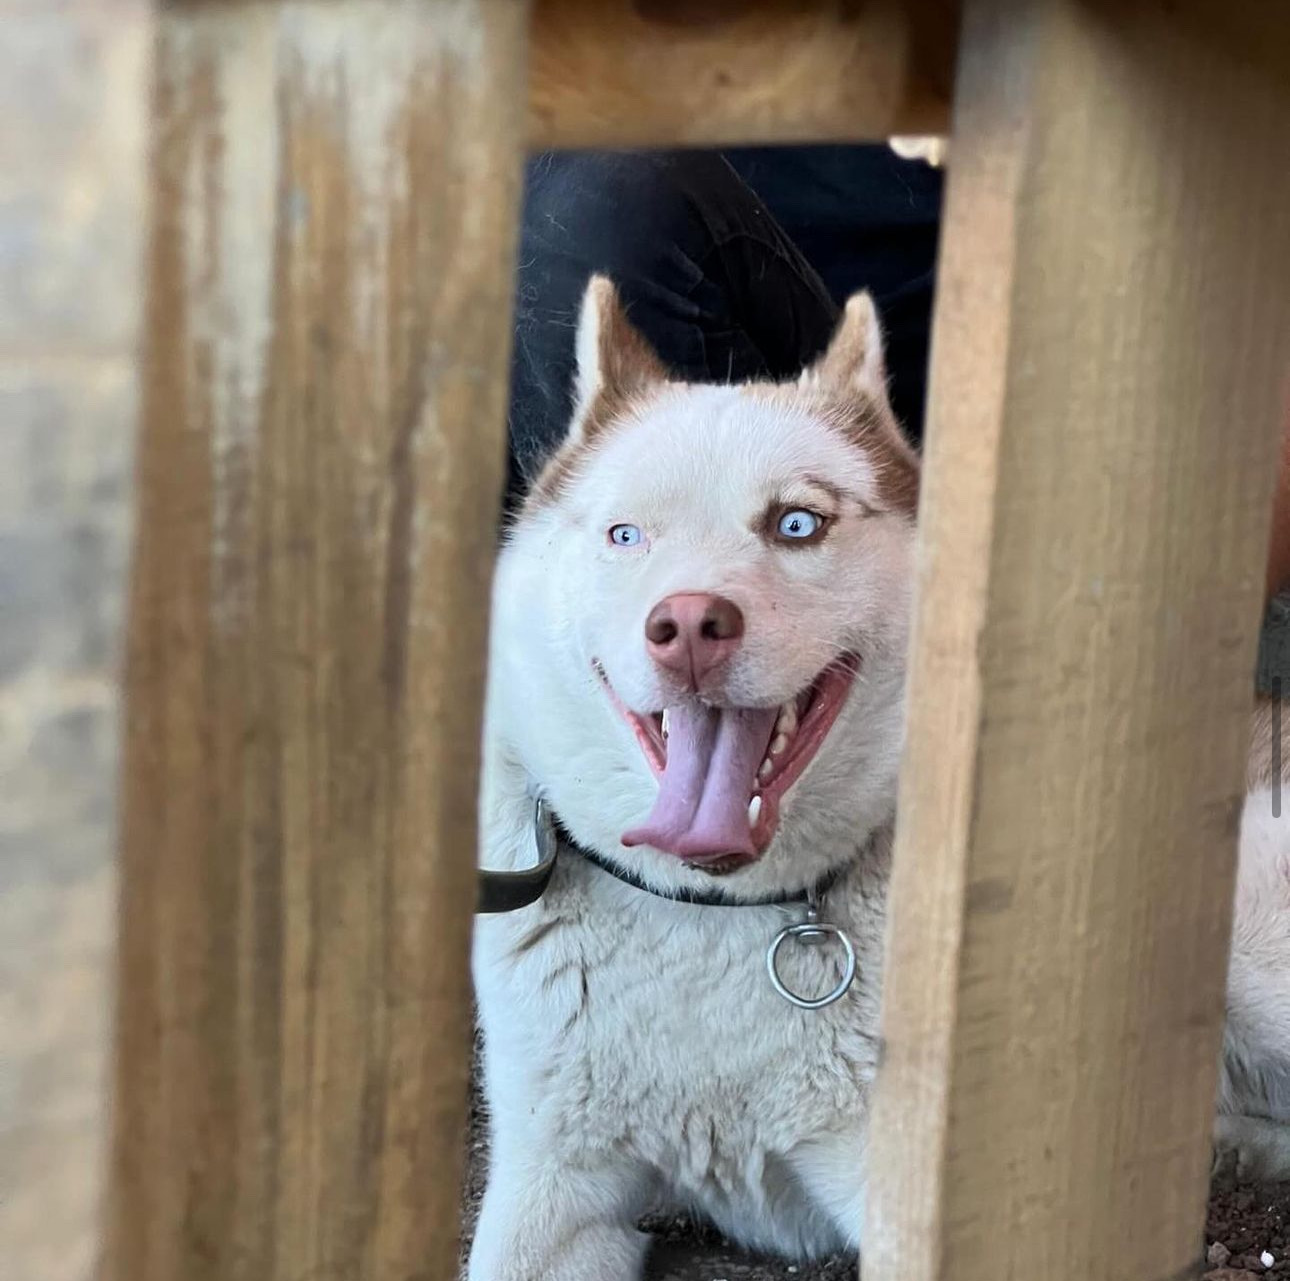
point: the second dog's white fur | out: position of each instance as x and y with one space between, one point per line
1252 1134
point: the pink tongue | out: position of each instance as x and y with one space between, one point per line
712 760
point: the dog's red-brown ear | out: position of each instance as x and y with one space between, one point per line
853 375
615 360
853 361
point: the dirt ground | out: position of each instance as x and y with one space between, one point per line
1246 1225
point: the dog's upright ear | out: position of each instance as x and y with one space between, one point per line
615 360
616 369
852 374
853 363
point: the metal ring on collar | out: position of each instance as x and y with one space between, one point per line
813 932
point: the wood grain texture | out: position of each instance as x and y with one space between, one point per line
626 73
1278 577
1112 340
334 198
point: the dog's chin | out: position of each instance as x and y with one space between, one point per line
722 788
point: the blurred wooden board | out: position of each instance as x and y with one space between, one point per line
656 73
1110 358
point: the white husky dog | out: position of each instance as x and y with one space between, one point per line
697 664
700 621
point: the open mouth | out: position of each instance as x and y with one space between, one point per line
723 771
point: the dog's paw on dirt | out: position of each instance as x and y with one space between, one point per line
1251 1149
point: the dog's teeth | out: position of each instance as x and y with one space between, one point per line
766 766
664 722
778 744
787 723
754 811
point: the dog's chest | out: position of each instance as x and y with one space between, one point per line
653 1027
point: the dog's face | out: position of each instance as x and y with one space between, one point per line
724 611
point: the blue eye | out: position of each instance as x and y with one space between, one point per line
624 535
799 524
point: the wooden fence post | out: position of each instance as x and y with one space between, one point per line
334 199
1113 333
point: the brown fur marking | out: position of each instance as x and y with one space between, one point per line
1269 731
628 376
605 411
868 426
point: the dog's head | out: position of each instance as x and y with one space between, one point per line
703 609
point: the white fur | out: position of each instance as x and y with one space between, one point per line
1253 1129
635 1051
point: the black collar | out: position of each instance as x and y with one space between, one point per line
510 891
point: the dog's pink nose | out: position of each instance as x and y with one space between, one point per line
693 632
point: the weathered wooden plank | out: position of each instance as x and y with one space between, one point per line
1112 338
1278 576
334 197
625 73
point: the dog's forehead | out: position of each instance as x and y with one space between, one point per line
725 446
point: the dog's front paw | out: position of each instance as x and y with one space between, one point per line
594 1254
546 1222
1251 1149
